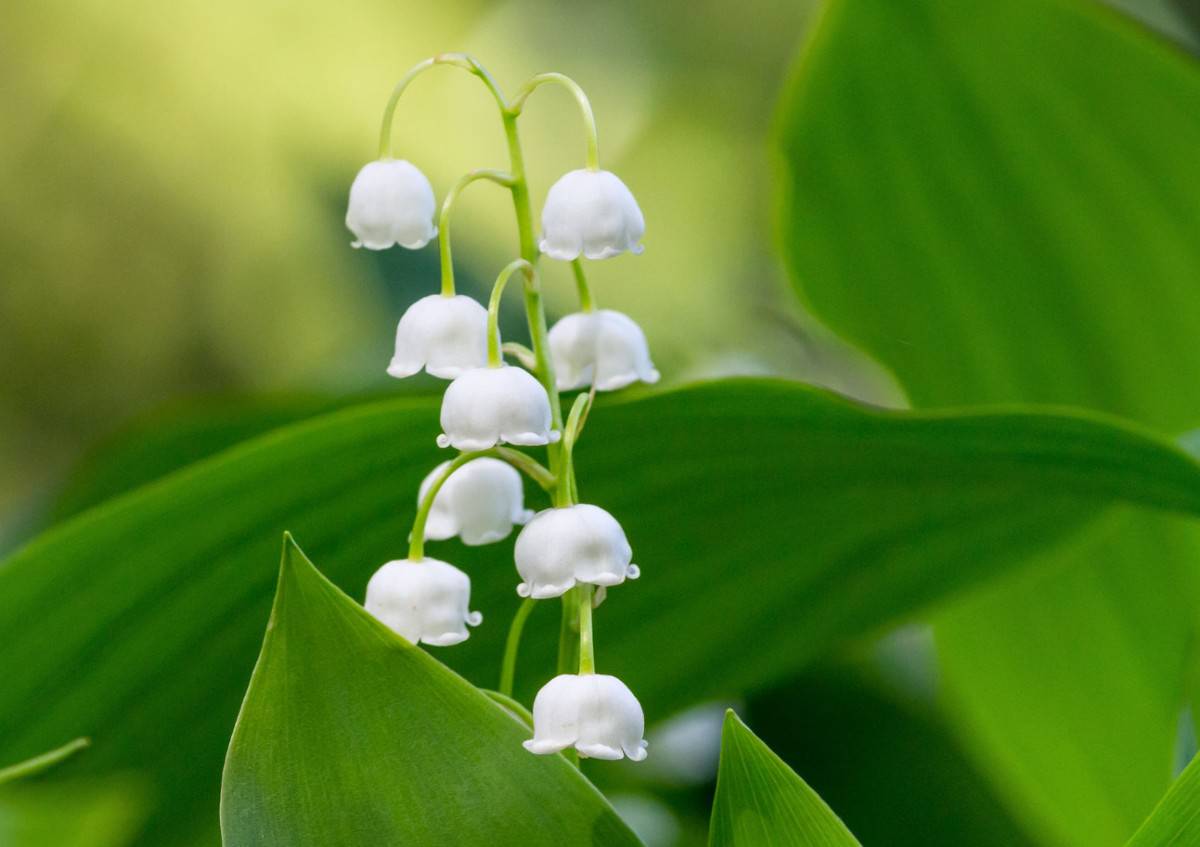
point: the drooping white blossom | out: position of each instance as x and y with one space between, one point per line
443 335
604 348
391 202
570 544
484 407
425 601
590 213
480 502
596 714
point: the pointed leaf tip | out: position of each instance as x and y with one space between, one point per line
760 800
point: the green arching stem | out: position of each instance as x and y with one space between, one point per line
587 653
568 634
571 432
493 318
508 666
522 353
458 60
528 465
512 705
586 303
45 761
416 541
498 177
585 109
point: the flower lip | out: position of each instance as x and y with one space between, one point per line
444 335
423 602
487 406
391 202
590 213
604 348
596 714
567 545
480 502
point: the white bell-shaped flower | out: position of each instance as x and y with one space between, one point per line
425 601
571 544
443 335
591 213
484 407
391 202
479 502
596 714
604 348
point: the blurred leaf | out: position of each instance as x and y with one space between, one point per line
172 438
350 735
73 814
993 198
1176 820
761 802
793 518
889 765
31 767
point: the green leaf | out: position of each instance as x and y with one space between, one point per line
993 199
889 764
102 813
172 438
992 211
793 518
1176 820
45 761
761 802
350 735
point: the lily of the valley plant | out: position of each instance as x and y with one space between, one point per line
573 551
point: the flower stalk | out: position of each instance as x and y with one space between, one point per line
573 550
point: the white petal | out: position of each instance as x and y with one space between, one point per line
480 502
444 335
391 202
595 713
556 714
611 720
562 546
425 601
591 213
487 406
605 347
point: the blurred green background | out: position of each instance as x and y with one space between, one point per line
175 178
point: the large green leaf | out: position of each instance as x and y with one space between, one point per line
761 802
995 199
350 735
1176 820
790 517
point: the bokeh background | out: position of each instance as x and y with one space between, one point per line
171 238
175 179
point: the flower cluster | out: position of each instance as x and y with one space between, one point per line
573 551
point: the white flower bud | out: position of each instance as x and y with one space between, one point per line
596 714
423 601
604 347
484 407
571 544
443 335
593 213
391 202
480 502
